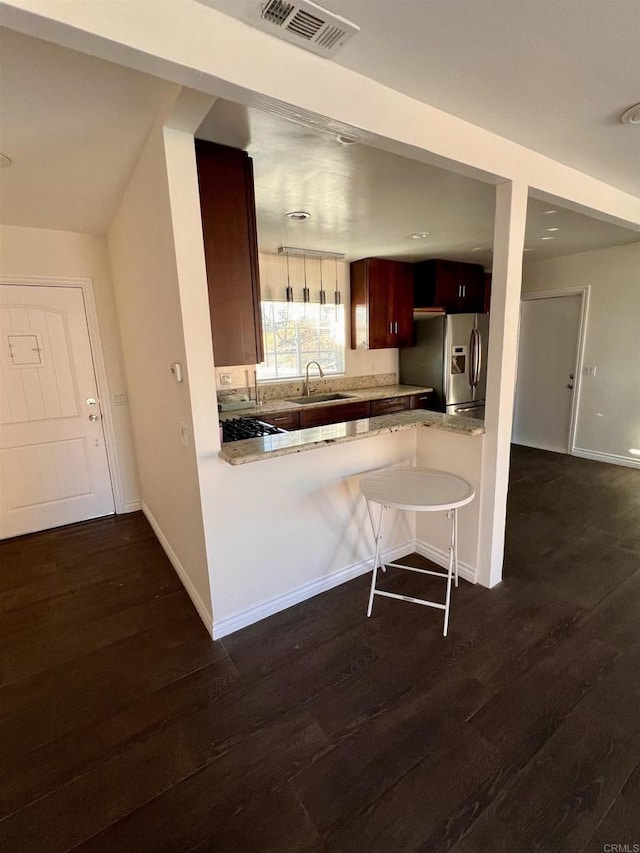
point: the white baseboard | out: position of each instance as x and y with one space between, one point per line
441 558
133 506
280 602
611 458
198 603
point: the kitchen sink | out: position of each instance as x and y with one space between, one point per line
319 398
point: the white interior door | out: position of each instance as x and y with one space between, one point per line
547 355
53 460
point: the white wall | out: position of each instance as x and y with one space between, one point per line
145 275
289 527
273 281
461 455
64 254
608 422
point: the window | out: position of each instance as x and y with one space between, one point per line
298 332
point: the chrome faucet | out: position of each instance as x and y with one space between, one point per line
306 382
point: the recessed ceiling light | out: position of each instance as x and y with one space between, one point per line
551 229
4 161
547 212
345 140
420 235
632 115
548 238
635 451
297 215
478 249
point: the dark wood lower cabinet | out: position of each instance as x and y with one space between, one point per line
335 414
323 415
389 405
421 401
284 420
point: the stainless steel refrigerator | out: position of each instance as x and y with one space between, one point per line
450 355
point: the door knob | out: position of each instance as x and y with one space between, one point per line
569 386
93 418
571 376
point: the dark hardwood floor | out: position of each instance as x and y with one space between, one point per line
124 728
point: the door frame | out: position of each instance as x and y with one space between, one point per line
584 293
85 285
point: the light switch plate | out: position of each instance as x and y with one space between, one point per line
588 370
225 379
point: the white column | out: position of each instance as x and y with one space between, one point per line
508 243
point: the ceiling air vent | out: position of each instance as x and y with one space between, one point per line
304 23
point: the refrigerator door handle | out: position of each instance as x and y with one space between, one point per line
472 367
472 408
474 358
478 355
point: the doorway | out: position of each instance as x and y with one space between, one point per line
54 468
550 348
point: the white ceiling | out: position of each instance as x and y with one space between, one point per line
366 202
74 126
553 75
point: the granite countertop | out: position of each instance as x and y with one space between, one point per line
352 395
283 444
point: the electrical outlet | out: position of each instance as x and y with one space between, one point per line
588 370
184 432
225 379
119 399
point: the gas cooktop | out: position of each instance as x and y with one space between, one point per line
237 429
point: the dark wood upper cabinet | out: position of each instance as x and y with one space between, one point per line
456 287
227 204
381 304
487 292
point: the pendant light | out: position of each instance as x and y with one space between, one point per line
337 298
289 289
323 295
305 290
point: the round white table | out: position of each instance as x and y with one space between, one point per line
416 490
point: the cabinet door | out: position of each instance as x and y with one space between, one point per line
487 292
403 305
456 287
225 177
381 290
422 401
324 415
381 304
389 405
284 420
448 289
471 281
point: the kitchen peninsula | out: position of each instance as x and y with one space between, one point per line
285 443
301 520
393 408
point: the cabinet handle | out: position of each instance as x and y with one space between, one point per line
464 290
390 328
396 327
